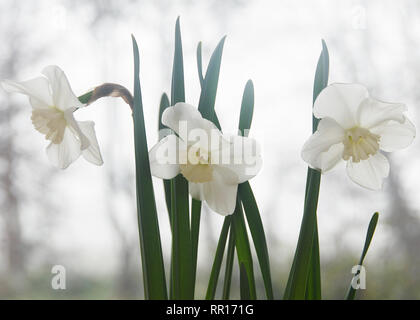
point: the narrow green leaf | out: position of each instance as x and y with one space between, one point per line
247 109
245 290
182 264
208 92
305 277
258 235
313 289
200 65
195 232
167 190
182 270
247 197
175 278
313 286
243 251
162 132
218 258
369 235
299 273
351 293
200 75
229 265
321 78
177 87
206 107
164 103
150 243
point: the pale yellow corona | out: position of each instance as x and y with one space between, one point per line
197 168
51 122
359 144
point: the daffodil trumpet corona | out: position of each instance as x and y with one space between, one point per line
355 128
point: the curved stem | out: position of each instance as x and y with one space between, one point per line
108 90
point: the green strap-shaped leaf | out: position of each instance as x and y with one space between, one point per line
150 244
313 286
304 278
351 293
214 70
247 197
321 78
243 251
177 86
218 258
258 235
245 290
182 264
200 65
164 103
229 265
163 131
247 109
182 267
209 89
206 107
195 232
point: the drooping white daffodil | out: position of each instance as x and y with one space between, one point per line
355 127
214 164
53 103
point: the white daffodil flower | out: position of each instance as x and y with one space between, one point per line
355 127
214 164
53 103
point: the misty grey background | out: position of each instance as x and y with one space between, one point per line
84 217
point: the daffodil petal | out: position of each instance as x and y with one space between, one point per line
323 150
91 153
340 102
186 120
63 96
74 127
38 91
63 154
163 157
369 173
196 191
219 195
395 135
240 155
329 159
373 112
